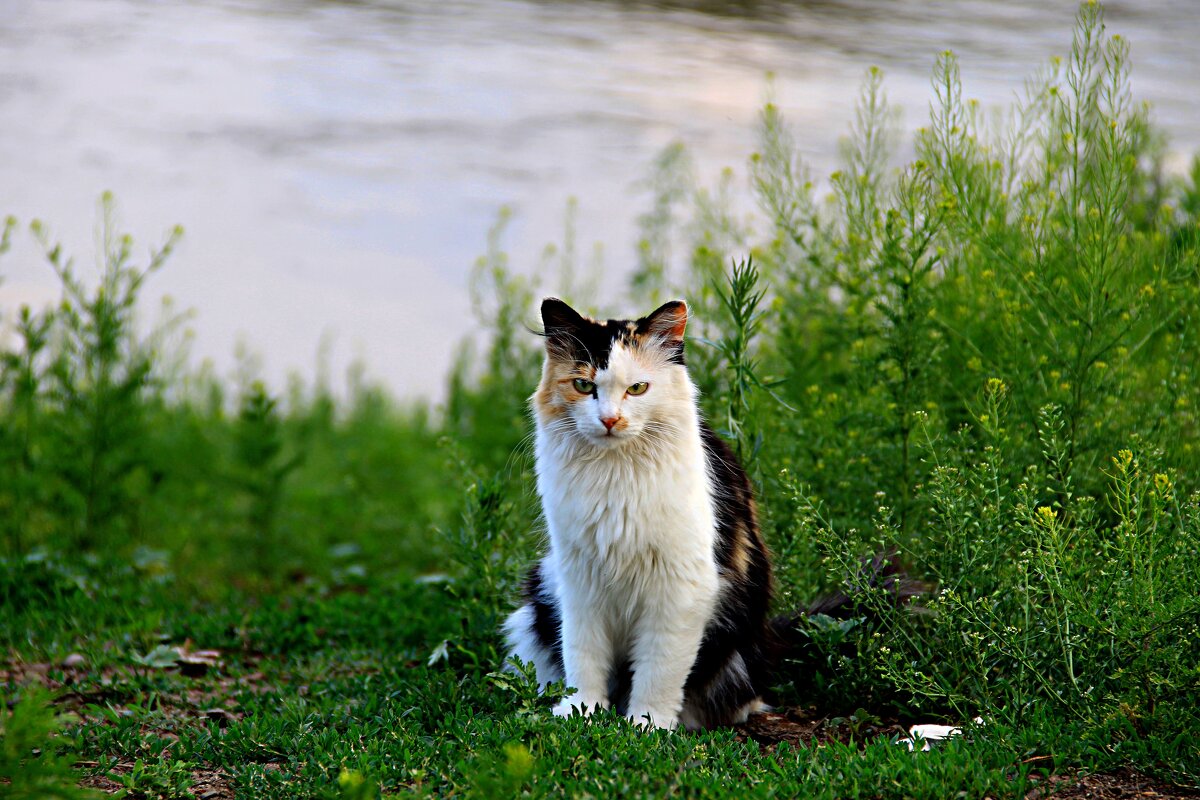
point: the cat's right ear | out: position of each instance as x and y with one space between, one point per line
667 321
561 324
558 316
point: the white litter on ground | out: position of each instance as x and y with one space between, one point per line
931 733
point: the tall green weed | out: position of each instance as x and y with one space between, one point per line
33 765
988 359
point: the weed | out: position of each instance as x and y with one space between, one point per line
32 762
100 376
263 466
740 302
157 780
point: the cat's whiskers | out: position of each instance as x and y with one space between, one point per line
654 443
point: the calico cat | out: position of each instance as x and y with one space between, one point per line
652 597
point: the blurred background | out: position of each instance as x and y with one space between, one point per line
337 165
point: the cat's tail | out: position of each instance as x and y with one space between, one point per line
877 588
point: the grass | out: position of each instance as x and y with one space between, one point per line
983 360
310 688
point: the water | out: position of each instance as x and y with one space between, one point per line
337 165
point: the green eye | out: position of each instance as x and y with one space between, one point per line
584 386
638 388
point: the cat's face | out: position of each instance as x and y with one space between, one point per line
613 382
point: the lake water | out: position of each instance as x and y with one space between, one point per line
337 165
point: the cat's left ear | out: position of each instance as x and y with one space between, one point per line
667 321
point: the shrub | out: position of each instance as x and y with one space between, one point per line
988 357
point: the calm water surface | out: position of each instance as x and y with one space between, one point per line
337 165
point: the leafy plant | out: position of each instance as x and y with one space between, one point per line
264 464
33 765
156 780
490 549
741 301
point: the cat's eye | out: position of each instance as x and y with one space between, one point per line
638 388
584 386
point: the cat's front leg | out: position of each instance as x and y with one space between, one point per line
663 654
587 657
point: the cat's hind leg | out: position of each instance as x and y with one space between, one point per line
728 694
527 641
534 631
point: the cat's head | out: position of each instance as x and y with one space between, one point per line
615 381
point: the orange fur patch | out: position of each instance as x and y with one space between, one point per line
556 393
739 555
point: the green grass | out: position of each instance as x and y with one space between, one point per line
984 359
316 686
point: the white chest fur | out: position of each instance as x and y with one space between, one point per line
627 517
631 555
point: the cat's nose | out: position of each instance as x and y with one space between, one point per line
609 422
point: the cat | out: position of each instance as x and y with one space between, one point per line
653 596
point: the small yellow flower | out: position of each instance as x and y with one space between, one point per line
1047 515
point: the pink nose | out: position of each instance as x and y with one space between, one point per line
609 422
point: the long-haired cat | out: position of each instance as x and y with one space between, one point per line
652 597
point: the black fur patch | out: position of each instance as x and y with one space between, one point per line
547 624
739 624
573 337
737 525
